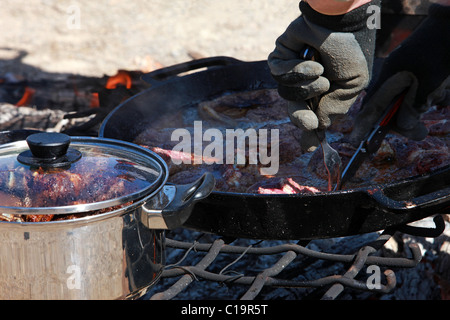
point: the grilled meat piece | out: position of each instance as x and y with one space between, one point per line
228 108
283 186
88 181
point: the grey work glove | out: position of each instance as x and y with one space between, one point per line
345 46
421 64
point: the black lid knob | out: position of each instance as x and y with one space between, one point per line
48 145
49 149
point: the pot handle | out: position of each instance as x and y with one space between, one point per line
176 213
155 77
431 199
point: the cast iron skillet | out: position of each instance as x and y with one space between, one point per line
283 217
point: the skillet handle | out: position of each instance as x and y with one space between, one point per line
425 232
428 200
155 77
179 209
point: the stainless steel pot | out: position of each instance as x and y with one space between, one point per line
114 251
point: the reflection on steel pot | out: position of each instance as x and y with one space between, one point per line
86 221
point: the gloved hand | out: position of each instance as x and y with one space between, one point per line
421 64
345 46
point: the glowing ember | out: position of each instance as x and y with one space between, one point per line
26 98
121 78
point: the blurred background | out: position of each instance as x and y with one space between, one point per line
94 38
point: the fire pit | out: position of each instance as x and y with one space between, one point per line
211 266
218 267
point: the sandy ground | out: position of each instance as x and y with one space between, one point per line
93 38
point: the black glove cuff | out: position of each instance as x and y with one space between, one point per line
439 11
349 22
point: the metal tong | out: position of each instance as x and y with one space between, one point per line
372 142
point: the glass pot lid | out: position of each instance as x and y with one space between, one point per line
52 173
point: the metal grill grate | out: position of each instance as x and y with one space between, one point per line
367 255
